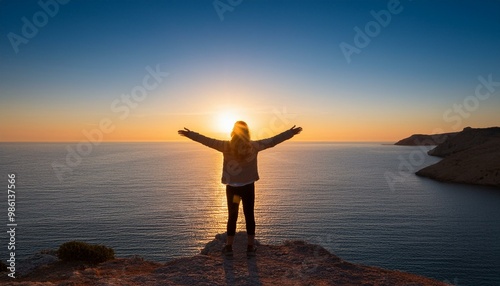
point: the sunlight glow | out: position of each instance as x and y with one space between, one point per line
225 121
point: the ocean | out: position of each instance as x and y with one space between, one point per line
361 201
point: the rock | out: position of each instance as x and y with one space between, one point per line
215 246
425 140
471 157
30 264
290 263
467 139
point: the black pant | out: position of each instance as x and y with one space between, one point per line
247 194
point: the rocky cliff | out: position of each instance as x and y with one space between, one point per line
425 140
472 156
290 263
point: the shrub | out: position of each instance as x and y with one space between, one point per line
82 251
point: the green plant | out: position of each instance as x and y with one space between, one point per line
82 251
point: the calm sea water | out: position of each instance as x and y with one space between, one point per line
165 200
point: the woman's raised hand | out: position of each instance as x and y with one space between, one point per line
184 132
296 130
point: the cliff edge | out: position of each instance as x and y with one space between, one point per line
472 156
291 263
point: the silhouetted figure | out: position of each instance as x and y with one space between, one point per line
239 172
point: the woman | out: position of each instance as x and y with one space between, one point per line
239 172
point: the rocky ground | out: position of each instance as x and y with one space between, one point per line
291 263
472 157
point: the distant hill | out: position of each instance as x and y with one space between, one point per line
425 140
467 139
472 156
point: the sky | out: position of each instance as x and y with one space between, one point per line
73 70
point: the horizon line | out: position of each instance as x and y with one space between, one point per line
176 141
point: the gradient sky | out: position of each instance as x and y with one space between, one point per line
271 63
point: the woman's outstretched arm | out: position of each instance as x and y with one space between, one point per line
275 140
218 145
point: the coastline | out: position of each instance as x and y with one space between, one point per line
471 156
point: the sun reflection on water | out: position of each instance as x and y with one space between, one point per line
212 201
214 204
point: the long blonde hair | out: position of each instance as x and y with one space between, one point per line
240 141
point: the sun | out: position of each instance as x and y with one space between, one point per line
225 122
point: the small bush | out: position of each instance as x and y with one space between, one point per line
82 251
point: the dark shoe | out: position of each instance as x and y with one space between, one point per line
251 251
228 250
